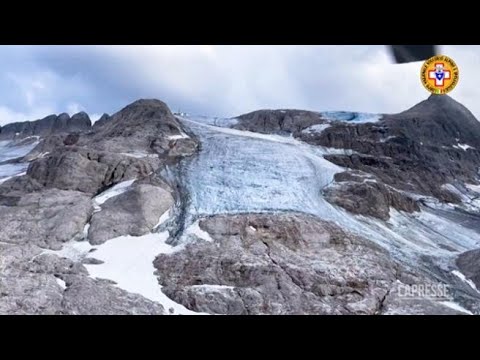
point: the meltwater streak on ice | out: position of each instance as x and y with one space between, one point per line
245 172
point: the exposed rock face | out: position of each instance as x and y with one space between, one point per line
396 304
419 150
50 125
368 197
279 264
100 122
469 265
45 284
144 126
135 212
46 146
88 171
275 263
278 121
52 205
47 219
95 297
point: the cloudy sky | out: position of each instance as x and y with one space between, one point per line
36 81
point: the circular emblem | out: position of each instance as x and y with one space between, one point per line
439 74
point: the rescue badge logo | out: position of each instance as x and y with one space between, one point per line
439 74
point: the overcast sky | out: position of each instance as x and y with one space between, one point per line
36 81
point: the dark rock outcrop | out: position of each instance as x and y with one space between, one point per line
145 126
469 265
278 121
100 122
368 197
53 124
418 150
88 171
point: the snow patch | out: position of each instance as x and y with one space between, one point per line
178 137
73 250
212 288
387 139
62 283
116 190
463 147
85 231
11 177
139 155
465 280
165 216
316 129
128 261
475 188
195 229
456 306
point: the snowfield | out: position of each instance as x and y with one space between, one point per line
129 262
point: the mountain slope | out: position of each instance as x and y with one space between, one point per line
274 212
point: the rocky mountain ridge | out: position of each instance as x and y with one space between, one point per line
383 205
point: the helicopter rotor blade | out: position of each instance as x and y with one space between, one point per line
411 53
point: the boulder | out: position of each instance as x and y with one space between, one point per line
135 212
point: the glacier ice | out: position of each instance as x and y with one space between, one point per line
244 172
351 117
9 151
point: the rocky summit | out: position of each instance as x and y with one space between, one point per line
271 212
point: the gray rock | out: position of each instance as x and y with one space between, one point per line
143 126
92 261
396 304
100 122
278 264
88 171
35 284
416 150
18 186
46 146
85 296
469 265
278 121
47 219
135 212
53 124
368 197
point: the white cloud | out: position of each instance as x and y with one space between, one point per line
74 108
8 115
224 80
237 79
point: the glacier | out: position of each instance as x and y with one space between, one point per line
239 172
9 151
